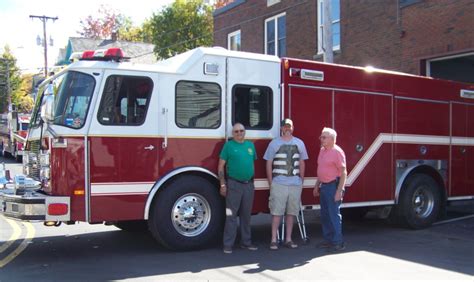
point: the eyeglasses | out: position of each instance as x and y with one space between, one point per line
322 137
239 131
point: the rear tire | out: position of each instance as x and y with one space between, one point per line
420 201
188 214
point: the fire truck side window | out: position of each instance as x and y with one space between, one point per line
252 106
198 104
125 100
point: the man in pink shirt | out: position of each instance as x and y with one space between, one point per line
329 187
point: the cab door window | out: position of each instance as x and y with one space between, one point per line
125 100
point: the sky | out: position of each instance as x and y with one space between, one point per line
19 32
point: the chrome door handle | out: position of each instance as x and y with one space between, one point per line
151 147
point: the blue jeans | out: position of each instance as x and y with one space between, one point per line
331 219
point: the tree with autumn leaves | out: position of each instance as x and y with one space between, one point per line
107 21
178 27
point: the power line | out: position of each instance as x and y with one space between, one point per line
44 19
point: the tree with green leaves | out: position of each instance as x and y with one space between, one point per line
19 95
183 25
129 32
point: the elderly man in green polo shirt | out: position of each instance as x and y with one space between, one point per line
237 158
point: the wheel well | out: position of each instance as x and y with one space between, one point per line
206 176
430 171
212 179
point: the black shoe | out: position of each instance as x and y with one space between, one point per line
324 245
250 247
338 248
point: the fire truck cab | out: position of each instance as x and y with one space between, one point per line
137 146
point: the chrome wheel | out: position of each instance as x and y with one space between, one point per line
423 202
191 215
420 201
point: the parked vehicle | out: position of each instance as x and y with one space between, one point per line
137 145
13 131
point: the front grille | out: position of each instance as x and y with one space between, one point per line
32 167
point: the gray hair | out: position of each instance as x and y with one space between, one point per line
330 131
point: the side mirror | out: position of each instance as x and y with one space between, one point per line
47 108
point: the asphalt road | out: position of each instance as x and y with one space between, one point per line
376 250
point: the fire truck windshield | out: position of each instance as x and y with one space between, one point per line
72 95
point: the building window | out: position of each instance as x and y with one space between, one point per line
233 41
252 106
275 35
272 2
198 104
336 25
125 100
458 67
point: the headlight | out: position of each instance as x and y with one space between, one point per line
44 159
22 182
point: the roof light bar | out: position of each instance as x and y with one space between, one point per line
111 54
87 55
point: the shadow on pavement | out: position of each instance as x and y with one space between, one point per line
120 255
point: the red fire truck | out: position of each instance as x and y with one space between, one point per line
13 130
137 145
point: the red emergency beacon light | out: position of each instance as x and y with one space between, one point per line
111 54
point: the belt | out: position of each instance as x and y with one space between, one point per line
331 182
240 181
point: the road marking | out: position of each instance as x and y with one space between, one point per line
15 235
30 233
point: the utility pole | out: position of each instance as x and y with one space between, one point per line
327 32
9 95
44 19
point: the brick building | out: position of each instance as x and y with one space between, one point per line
426 37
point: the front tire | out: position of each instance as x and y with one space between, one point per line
420 201
188 214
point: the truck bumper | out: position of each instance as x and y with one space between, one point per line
34 206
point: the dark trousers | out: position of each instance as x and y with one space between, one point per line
331 219
239 201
